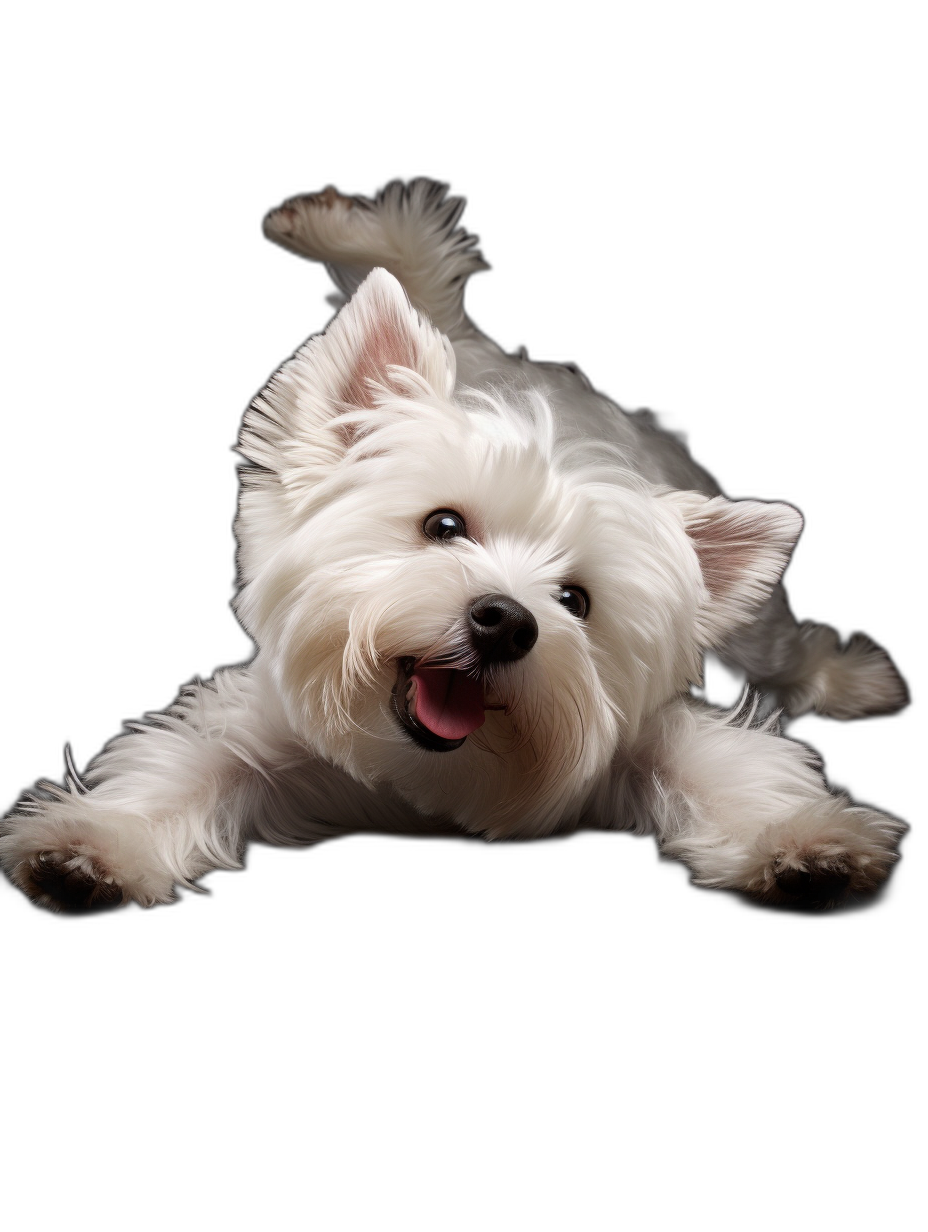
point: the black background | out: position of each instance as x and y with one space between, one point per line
728 253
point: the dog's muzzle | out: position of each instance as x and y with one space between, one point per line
439 707
501 629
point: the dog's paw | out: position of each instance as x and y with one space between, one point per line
814 877
68 856
69 881
826 854
844 681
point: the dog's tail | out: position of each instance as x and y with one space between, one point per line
409 229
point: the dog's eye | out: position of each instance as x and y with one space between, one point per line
444 524
575 599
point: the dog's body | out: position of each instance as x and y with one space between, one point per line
480 592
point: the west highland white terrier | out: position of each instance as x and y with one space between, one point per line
480 593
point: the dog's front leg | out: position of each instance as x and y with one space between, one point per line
161 805
749 810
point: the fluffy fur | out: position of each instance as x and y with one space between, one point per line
401 408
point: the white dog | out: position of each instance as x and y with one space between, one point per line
480 593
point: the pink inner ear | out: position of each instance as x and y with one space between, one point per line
725 549
386 342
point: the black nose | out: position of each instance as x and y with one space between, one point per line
501 629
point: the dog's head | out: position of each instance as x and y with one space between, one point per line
453 602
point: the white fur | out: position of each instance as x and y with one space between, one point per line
353 442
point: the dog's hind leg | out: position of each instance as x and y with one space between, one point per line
409 229
807 667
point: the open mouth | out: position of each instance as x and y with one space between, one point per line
438 706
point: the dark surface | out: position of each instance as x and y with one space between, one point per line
740 275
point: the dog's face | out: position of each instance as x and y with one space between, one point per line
451 603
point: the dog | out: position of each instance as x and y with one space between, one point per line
480 594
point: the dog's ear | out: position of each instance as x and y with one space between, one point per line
324 396
742 546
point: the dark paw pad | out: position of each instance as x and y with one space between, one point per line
815 887
72 883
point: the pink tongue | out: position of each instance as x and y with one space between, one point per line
449 703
